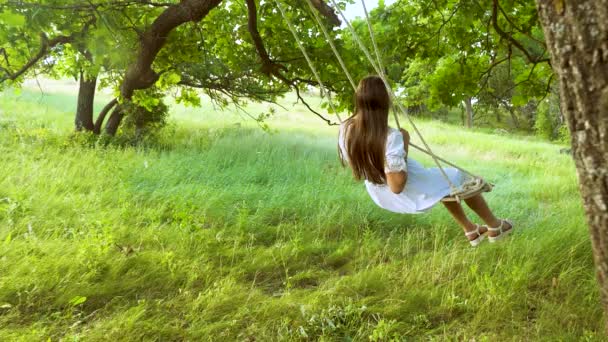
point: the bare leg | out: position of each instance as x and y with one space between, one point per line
478 204
456 210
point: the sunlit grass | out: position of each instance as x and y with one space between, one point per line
224 232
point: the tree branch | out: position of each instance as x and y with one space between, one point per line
227 88
521 30
268 66
510 39
327 12
45 46
523 81
272 68
102 115
485 76
85 6
3 52
140 75
329 123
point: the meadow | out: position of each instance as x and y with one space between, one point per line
217 230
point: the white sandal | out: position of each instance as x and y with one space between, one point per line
502 233
480 238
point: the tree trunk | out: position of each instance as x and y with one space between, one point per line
513 115
102 115
462 114
577 37
469 108
114 120
139 74
86 98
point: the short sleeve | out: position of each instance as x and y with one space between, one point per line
395 153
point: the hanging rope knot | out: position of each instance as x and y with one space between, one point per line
471 187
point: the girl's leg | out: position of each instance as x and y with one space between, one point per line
478 204
458 213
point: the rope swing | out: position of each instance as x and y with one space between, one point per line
471 187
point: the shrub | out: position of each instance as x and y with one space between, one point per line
543 124
144 116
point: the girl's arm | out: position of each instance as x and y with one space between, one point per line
406 141
396 181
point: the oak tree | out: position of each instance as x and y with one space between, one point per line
229 50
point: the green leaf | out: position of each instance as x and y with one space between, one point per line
77 300
170 78
11 19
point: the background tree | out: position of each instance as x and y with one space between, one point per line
91 40
278 60
241 50
448 52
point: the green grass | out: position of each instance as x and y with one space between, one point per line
223 232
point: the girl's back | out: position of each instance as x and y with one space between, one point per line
424 187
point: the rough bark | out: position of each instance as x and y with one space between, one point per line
86 98
114 120
102 115
577 37
469 110
139 74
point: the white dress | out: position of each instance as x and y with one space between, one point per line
424 188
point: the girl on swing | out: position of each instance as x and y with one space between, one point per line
378 154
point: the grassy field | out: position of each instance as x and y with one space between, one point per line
219 231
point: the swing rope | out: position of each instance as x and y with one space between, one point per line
330 40
308 60
400 106
469 188
388 88
331 43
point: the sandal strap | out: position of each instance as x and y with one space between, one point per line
476 231
499 228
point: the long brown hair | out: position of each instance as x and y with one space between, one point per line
365 131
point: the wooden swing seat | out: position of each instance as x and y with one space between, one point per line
470 188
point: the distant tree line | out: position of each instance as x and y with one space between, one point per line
487 59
